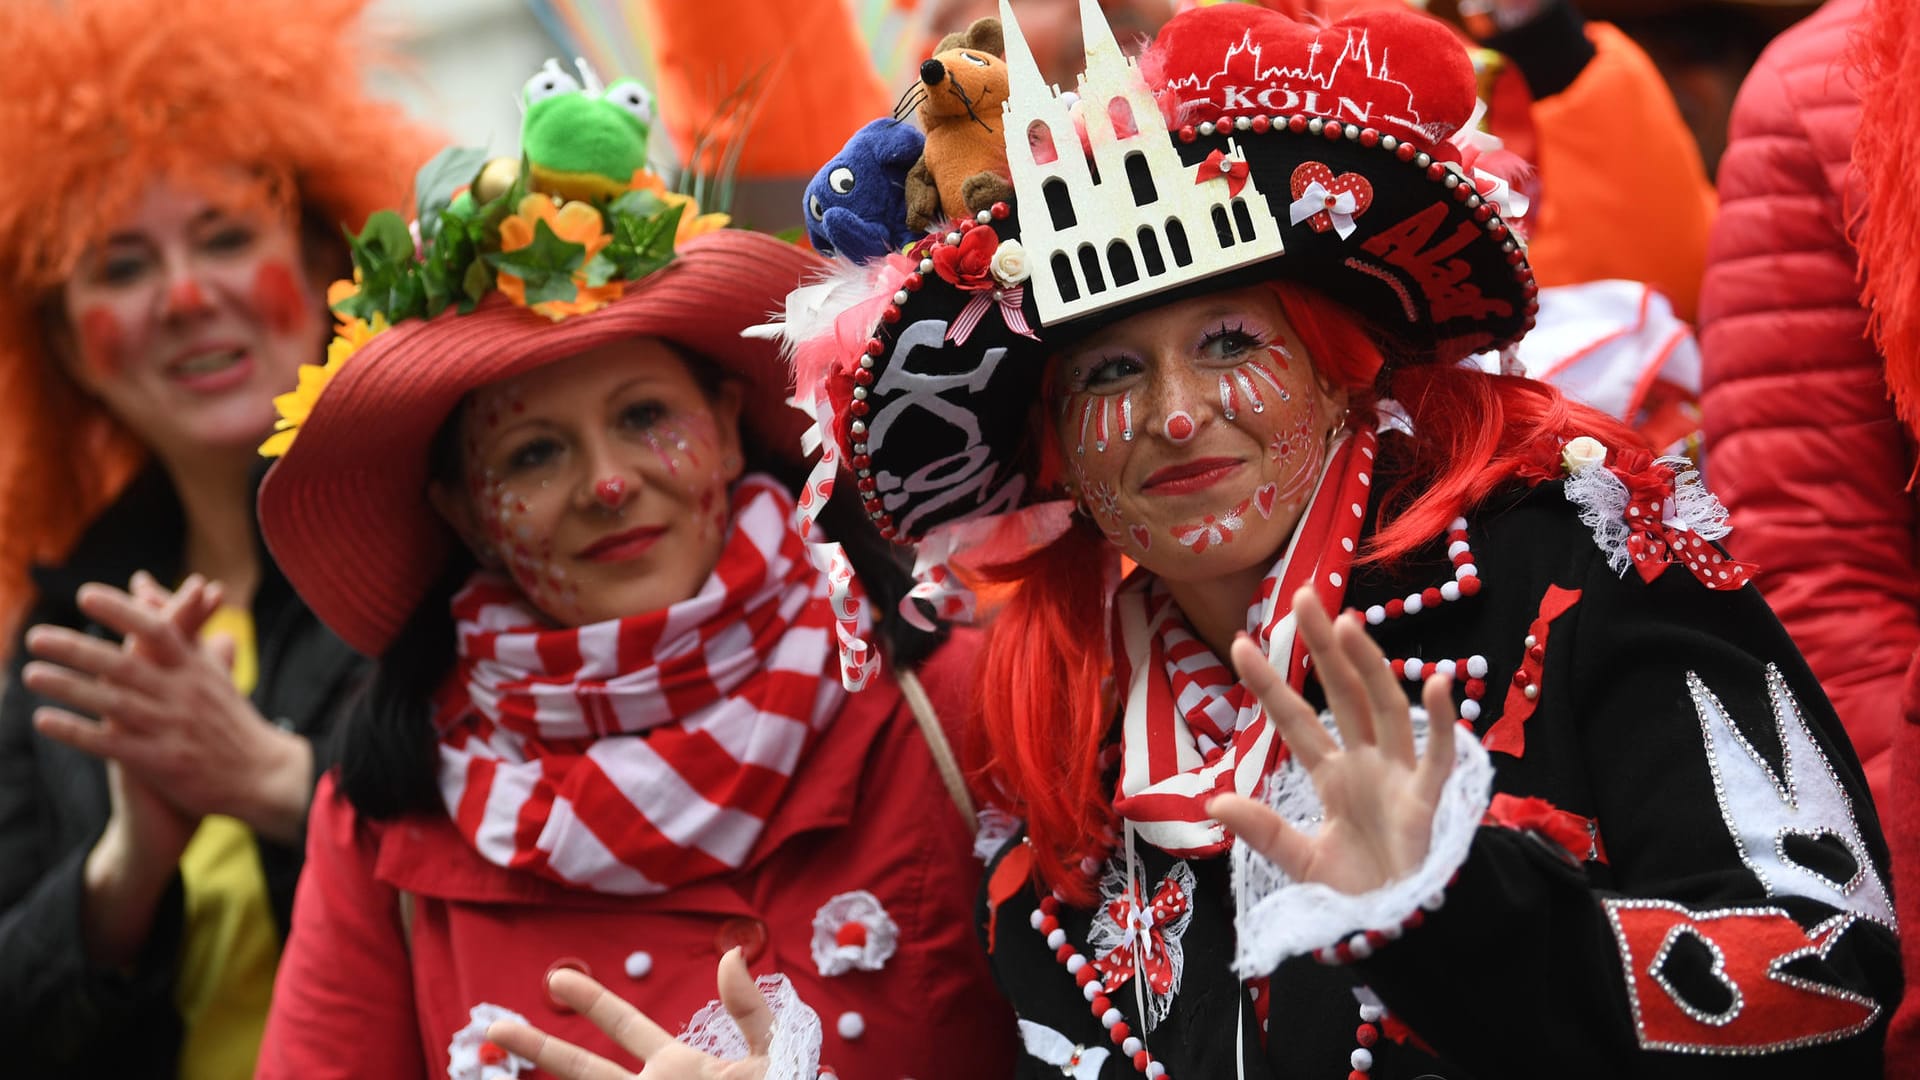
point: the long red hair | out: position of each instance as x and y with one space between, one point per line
1046 701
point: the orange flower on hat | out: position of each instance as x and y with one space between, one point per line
297 404
692 222
574 222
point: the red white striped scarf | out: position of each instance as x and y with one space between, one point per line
637 754
1190 730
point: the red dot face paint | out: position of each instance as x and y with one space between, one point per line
102 343
185 296
611 491
276 296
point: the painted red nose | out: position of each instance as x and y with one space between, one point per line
610 491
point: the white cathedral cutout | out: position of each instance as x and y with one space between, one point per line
1131 221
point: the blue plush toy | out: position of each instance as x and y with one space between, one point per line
856 205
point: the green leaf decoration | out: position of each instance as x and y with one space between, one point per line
546 257
449 170
476 285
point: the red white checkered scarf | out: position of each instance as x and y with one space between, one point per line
1190 730
637 754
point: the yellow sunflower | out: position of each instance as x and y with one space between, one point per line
297 404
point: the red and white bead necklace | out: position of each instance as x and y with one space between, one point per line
1046 919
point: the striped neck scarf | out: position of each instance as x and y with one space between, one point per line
1190 730
637 754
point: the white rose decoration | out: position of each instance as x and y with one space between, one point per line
1583 453
1010 263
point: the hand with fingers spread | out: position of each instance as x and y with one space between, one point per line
661 1055
166 709
1379 795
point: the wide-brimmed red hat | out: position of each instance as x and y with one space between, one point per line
345 510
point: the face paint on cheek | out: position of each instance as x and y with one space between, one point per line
1301 451
1213 530
1266 375
102 345
1249 391
1281 355
1100 425
1126 417
276 296
1086 418
1228 399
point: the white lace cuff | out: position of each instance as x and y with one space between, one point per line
795 1050
1277 918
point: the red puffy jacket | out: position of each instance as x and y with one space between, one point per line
1802 442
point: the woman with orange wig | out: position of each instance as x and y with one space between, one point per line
177 177
1433 733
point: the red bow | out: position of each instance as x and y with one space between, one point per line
1118 964
1657 539
1218 165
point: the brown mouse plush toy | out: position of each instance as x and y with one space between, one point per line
964 167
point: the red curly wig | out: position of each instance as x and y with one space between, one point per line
1045 699
241 99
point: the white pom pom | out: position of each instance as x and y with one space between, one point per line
1111 1017
1455 549
1372 1013
851 1025
1376 615
1414 604
1444 667
1414 667
1469 710
1450 591
1075 963
638 964
1036 918
1362 1059
1476 667
1056 939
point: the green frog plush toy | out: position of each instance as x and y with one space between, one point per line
580 142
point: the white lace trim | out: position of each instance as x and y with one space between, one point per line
1277 918
996 828
872 953
1602 498
794 1053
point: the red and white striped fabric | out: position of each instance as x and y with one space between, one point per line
1179 693
637 754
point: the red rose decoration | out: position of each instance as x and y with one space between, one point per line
968 265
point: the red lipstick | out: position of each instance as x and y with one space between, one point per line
622 546
1190 476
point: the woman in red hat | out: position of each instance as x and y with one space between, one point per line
1618 832
611 738
177 175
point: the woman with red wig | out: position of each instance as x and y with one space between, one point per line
1620 833
177 174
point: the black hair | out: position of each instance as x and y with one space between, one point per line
388 757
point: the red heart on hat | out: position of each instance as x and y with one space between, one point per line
1399 73
1141 536
1315 172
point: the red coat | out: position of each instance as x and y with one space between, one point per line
866 811
1802 443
